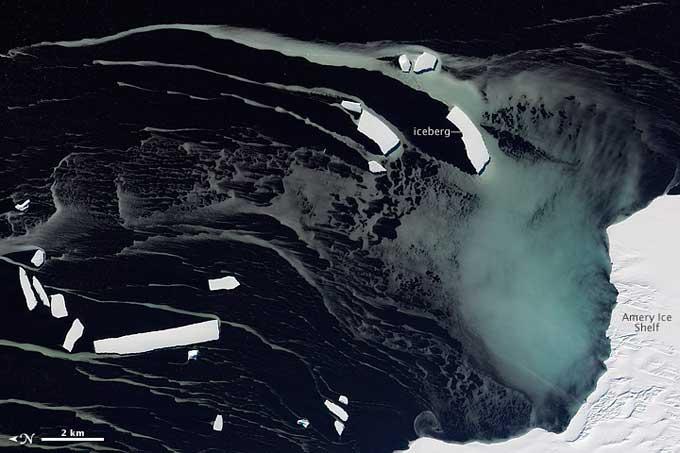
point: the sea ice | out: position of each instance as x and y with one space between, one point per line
303 422
41 291
337 410
157 339
58 306
223 283
22 206
404 63
339 427
375 167
38 258
73 335
372 127
425 62
29 295
472 139
192 354
344 400
351 106
218 423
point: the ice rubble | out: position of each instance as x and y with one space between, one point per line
425 62
22 206
38 258
218 423
157 339
58 306
41 291
404 63
31 301
351 106
375 167
635 407
223 283
372 127
73 335
472 139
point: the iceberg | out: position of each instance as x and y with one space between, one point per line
218 423
337 410
58 306
192 354
38 258
472 139
29 295
41 291
303 422
372 127
22 206
223 283
344 400
404 63
339 427
375 167
158 339
425 62
351 106
73 335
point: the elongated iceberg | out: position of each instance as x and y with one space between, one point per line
73 335
41 291
337 410
351 106
472 139
29 295
223 283
373 127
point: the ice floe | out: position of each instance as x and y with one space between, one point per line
22 206
158 339
41 291
344 400
38 258
337 410
472 139
339 427
404 63
351 106
303 422
218 423
192 354
73 335
29 295
425 62
375 167
58 306
372 127
223 283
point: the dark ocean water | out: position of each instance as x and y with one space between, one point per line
163 158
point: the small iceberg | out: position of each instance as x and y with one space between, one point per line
192 354
22 206
58 306
38 258
303 422
375 167
223 283
404 63
158 339
344 400
339 427
372 127
41 291
351 106
29 295
337 410
218 423
472 139
73 335
425 62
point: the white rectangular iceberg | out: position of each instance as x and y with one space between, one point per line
223 283
351 106
73 335
158 339
472 139
29 295
337 410
372 127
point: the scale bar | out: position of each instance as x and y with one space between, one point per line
72 439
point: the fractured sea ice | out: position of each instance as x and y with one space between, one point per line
29 295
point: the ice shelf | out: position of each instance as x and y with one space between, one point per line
29 295
425 62
158 339
223 283
73 335
351 106
372 127
404 63
472 139
58 306
41 291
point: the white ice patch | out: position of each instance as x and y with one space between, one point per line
218 423
38 258
192 354
22 206
344 400
472 139
424 62
31 301
375 167
158 339
337 410
303 422
372 127
58 306
223 283
73 335
351 106
339 427
404 63
41 291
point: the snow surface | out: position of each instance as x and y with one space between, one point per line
472 138
58 306
73 335
404 63
635 407
424 62
375 167
38 258
31 301
157 339
372 127
223 283
351 106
